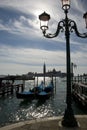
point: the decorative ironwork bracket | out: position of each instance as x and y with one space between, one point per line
61 27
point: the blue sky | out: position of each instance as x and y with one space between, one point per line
23 48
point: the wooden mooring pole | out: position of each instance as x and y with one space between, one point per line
55 84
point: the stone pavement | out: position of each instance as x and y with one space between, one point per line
52 123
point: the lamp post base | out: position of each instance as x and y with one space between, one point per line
69 120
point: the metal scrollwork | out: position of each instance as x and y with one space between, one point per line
61 27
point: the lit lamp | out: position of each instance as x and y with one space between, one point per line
85 17
65 4
44 18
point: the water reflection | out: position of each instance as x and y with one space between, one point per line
14 110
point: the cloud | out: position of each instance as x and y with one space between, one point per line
29 57
17 22
22 45
24 59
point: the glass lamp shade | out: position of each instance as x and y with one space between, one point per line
44 18
65 4
85 17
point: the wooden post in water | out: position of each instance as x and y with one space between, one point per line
37 80
78 78
44 72
81 78
3 91
23 86
17 88
55 84
34 82
0 83
75 79
85 79
12 89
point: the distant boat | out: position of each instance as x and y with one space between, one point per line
79 93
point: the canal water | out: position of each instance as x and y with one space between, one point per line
14 110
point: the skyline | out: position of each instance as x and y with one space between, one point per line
23 48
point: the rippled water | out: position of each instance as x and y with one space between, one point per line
14 110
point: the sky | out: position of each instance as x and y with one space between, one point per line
23 48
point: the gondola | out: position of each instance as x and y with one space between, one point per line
46 92
25 95
40 92
31 94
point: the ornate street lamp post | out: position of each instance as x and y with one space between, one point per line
67 25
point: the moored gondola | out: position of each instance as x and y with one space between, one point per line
46 92
40 92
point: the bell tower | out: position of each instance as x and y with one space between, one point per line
44 71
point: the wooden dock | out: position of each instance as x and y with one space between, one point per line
7 86
79 93
9 89
6 89
80 79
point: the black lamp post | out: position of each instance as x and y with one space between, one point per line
67 25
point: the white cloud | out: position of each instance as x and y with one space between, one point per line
15 60
20 60
29 57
